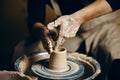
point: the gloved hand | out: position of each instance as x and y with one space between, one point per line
13 75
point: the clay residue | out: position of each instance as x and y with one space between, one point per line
91 66
58 60
59 42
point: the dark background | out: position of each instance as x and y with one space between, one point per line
13 28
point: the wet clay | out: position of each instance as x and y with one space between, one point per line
59 42
91 66
58 60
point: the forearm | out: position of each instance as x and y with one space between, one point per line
95 9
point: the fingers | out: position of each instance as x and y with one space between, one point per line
59 42
51 26
37 31
68 28
39 25
47 44
53 29
9 73
13 75
54 35
41 33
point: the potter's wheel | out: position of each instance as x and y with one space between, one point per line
87 67
76 69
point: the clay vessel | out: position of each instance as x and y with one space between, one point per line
58 60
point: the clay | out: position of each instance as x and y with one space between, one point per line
91 66
58 60
59 42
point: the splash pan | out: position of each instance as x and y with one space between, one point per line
81 67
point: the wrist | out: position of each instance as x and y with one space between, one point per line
96 9
79 18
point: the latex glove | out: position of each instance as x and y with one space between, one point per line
13 75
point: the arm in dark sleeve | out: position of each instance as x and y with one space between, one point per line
115 4
36 13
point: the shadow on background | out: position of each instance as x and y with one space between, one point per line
12 29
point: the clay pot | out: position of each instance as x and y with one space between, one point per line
58 60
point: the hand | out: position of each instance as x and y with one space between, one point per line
45 36
13 75
68 26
